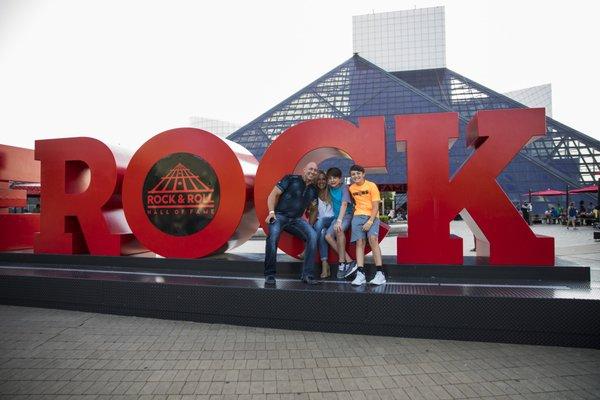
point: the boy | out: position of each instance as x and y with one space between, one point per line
365 225
342 209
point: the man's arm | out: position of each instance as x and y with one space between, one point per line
272 202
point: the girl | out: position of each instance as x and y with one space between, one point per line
324 219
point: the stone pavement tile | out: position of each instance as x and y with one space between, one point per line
189 388
202 388
148 388
242 387
50 387
428 393
220 375
256 388
175 387
155 376
323 385
75 387
520 386
282 375
216 388
375 382
402 381
163 387
467 390
459 391
414 393
440 392
37 388
313 373
385 394
270 388
132 389
124 387
207 375
283 387
102 388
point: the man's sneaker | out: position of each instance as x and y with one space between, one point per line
351 268
341 272
379 279
269 280
360 279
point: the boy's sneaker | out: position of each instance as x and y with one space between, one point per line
360 279
341 272
351 268
378 279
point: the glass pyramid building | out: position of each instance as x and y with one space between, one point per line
358 88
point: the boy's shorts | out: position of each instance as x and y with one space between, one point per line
345 225
357 224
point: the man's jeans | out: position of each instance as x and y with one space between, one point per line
298 227
321 228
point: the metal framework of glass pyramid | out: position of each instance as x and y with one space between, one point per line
359 88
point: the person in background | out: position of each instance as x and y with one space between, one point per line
561 213
571 215
547 215
525 212
582 209
554 214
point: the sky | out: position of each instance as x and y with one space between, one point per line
124 71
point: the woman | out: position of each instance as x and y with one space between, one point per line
324 219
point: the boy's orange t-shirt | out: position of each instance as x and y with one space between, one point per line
363 196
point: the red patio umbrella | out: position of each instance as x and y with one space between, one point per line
587 189
547 192
33 189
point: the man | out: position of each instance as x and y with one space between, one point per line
287 202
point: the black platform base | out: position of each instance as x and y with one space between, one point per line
447 304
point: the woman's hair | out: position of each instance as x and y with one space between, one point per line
323 193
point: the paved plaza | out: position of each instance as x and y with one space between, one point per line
572 247
57 354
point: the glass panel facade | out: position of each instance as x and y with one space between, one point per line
358 88
564 151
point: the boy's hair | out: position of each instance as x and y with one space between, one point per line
335 172
357 168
